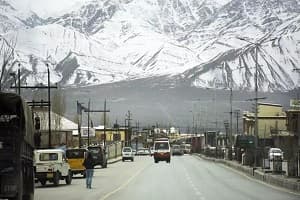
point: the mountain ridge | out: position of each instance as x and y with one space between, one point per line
188 40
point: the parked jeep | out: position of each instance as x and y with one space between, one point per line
51 165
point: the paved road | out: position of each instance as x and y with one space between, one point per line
186 177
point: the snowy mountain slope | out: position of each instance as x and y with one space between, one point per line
186 40
277 59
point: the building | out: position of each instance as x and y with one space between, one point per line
61 128
271 120
112 134
290 144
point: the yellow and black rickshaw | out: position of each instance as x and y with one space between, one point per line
75 160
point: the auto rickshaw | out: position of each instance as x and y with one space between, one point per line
76 159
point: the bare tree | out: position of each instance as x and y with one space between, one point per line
58 105
7 50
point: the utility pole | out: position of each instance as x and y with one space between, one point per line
79 114
137 136
104 123
49 107
256 104
89 110
237 113
128 135
256 126
19 79
49 87
230 131
256 47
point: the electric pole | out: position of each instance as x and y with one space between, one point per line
42 103
128 135
89 110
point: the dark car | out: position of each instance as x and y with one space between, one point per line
99 155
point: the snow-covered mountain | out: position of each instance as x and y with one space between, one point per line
183 41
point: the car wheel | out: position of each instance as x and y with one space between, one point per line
156 161
104 165
122 159
69 178
56 179
20 188
43 182
28 196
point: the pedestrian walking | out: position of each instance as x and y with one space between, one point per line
89 169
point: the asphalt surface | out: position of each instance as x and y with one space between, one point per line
186 177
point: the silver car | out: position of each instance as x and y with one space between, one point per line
127 154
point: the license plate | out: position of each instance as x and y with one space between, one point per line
49 175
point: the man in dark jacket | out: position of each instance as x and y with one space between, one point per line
89 166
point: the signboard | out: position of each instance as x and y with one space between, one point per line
295 103
84 132
245 141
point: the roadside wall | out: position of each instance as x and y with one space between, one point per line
277 180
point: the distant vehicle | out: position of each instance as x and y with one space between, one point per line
162 151
134 151
75 159
99 155
275 154
16 148
186 148
51 165
143 152
176 150
127 154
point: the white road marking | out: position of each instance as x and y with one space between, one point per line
124 184
193 186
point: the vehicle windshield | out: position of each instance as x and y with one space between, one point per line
276 151
48 156
127 150
75 154
94 150
161 146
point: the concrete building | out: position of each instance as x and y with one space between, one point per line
271 120
291 143
61 128
112 134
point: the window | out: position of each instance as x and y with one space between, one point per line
162 145
48 156
75 154
127 150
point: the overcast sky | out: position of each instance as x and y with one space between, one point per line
46 8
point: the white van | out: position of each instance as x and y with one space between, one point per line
162 150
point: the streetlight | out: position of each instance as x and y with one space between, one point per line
256 46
